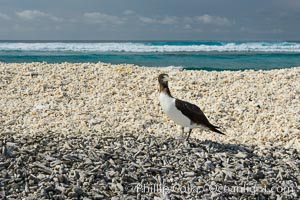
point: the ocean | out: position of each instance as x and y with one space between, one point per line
205 55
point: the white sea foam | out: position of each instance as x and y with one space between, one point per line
148 48
172 67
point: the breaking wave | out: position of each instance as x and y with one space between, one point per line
152 47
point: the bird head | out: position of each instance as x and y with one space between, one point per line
163 79
163 84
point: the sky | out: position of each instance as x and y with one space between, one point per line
150 20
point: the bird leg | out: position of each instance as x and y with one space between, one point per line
190 131
182 132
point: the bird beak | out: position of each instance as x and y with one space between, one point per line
166 78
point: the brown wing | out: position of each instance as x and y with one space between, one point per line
195 114
192 111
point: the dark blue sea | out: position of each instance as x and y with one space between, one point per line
207 55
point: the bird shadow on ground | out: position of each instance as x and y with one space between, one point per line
212 146
222 147
206 145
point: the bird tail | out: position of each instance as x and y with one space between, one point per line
215 129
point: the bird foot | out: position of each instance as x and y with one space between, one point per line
181 137
187 144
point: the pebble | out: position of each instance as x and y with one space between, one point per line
120 176
101 134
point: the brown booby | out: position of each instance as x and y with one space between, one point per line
183 113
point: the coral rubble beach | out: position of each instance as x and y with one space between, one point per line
96 130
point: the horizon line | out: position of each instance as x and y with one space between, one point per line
160 40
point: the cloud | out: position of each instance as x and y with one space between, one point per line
213 20
99 18
168 20
187 26
171 20
4 16
31 15
128 12
147 20
188 20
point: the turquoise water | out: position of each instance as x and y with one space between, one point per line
210 55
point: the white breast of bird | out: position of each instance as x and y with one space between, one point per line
168 105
